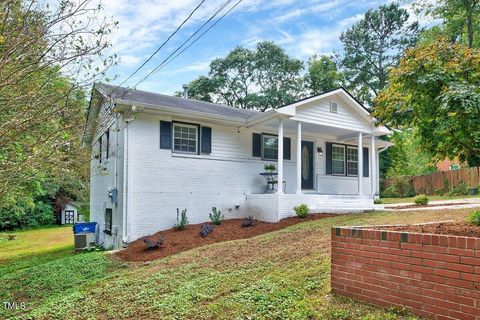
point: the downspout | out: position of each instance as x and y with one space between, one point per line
125 184
378 167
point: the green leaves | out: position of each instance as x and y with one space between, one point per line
373 46
435 90
258 79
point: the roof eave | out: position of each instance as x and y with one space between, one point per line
145 107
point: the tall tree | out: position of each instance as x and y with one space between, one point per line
252 79
48 55
436 91
373 46
461 18
323 75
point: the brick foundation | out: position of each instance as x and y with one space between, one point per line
435 276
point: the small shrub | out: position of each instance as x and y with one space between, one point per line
301 211
11 237
182 220
421 200
459 190
269 167
378 201
216 216
399 187
205 229
474 218
248 222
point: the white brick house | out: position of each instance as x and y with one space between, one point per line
158 153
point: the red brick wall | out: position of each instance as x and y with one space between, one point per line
435 276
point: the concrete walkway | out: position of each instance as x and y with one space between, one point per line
464 203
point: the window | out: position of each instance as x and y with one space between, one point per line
338 159
185 138
352 161
107 142
269 147
333 107
108 221
100 149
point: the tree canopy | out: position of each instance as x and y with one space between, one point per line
48 55
436 91
323 75
373 46
260 79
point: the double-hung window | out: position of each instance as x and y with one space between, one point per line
185 138
352 161
269 147
338 159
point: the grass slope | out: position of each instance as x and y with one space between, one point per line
279 275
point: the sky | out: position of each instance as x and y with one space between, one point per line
302 28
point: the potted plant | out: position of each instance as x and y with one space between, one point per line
270 168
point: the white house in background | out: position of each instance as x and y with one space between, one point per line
159 153
69 214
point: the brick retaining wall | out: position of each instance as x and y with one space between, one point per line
435 276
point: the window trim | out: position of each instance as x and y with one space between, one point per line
197 137
269 135
344 159
108 229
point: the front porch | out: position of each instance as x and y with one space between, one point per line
326 151
274 207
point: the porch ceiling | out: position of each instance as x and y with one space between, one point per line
309 129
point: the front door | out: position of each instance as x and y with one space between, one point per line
307 165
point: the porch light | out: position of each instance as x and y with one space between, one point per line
320 151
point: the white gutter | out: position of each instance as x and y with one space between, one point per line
125 185
144 107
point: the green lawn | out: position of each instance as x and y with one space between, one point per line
279 275
431 198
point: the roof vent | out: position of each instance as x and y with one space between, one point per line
333 107
185 91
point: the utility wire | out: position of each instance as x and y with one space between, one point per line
189 38
159 48
198 38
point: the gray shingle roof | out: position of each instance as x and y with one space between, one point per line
157 99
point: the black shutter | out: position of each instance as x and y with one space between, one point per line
256 145
165 135
328 157
287 148
365 162
206 141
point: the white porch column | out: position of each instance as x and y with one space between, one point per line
280 156
299 157
360 164
377 161
373 169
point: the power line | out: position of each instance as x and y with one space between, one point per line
159 48
201 35
189 38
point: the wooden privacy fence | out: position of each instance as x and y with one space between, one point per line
443 180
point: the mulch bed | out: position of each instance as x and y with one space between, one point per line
189 238
451 228
410 206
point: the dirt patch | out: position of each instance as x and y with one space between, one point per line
451 228
178 241
416 206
